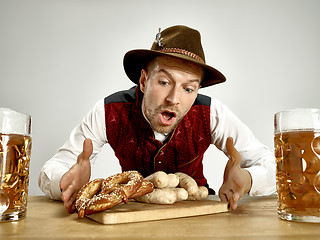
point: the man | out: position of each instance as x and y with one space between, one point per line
163 124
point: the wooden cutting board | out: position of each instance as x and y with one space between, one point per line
138 212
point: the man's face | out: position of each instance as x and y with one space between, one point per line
170 87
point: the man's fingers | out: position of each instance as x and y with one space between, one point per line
235 156
223 197
230 197
70 204
67 193
235 181
76 177
231 191
234 200
67 187
65 181
238 182
68 197
72 208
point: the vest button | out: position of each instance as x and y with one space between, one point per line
159 162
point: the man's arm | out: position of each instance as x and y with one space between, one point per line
254 159
78 175
92 127
236 180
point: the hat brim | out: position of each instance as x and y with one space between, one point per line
135 60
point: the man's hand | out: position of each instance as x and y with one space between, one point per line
236 180
76 177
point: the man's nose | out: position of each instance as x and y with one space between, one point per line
173 96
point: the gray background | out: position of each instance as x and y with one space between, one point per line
57 58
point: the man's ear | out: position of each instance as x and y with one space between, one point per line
143 80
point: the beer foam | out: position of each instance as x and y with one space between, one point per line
12 122
297 119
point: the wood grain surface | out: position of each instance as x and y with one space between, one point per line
139 212
255 218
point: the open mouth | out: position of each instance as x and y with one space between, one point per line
167 117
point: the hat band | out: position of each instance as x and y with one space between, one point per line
182 51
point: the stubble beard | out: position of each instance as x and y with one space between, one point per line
152 116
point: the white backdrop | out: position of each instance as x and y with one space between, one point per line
57 58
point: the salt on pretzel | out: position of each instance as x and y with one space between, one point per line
146 187
101 194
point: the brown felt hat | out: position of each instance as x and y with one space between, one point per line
177 41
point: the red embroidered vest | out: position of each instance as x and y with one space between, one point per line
133 142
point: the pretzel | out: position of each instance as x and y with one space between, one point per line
101 194
146 187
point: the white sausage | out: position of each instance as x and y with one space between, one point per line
159 196
181 193
188 183
200 195
173 180
159 179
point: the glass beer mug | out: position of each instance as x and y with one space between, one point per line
297 152
15 150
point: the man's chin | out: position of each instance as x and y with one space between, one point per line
164 129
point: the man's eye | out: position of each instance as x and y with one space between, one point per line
189 90
164 83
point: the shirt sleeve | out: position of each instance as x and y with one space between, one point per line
93 127
256 157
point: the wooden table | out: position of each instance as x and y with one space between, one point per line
255 218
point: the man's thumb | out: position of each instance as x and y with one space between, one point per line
235 156
87 150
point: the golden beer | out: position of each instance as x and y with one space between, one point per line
297 155
15 160
297 152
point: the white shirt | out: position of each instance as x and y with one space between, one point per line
256 158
